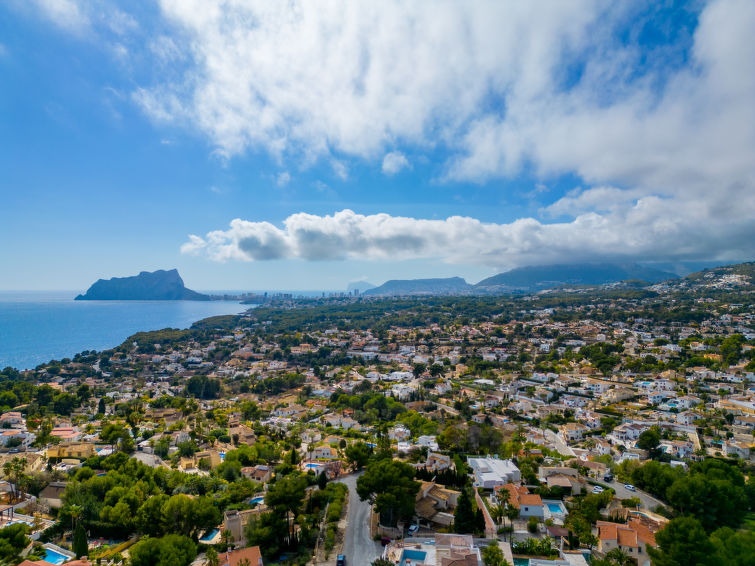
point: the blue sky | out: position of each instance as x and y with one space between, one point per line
303 146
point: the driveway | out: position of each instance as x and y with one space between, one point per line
358 546
648 501
559 443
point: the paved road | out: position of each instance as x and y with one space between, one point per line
648 501
358 546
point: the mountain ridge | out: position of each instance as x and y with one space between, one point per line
160 285
539 277
434 286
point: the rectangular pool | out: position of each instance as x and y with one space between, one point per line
415 556
53 557
554 508
209 536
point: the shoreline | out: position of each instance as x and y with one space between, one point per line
54 329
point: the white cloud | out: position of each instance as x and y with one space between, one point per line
394 162
651 228
283 179
68 14
352 77
483 79
340 169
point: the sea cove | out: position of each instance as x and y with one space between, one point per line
36 327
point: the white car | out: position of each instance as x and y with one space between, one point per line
413 530
597 489
629 486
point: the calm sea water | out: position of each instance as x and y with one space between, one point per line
38 327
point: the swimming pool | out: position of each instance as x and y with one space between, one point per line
54 557
521 562
416 556
555 508
209 536
258 499
311 465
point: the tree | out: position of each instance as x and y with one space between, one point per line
211 557
170 550
389 485
682 542
286 496
464 514
381 562
322 480
13 540
117 435
14 471
150 519
492 555
186 516
733 548
649 440
80 542
357 455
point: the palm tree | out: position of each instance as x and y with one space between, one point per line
498 512
76 511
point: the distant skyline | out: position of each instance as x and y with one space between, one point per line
266 145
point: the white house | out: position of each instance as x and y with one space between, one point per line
490 472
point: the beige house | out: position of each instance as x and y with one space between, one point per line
68 450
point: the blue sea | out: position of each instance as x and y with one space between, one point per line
36 327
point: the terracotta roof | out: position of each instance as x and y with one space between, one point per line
644 534
627 537
251 553
530 499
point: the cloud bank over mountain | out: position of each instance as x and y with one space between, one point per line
651 229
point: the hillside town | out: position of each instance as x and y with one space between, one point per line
589 426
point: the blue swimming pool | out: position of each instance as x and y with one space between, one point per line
521 561
209 536
54 557
416 556
258 499
554 508
311 465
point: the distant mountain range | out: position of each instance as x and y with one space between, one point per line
160 285
535 278
394 287
525 279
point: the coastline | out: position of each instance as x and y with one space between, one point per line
36 328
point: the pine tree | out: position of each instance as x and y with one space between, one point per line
464 515
322 480
80 543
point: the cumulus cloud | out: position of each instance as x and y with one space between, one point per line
394 162
650 227
497 84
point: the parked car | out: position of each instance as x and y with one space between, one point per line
597 489
629 486
341 560
608 478
413 530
